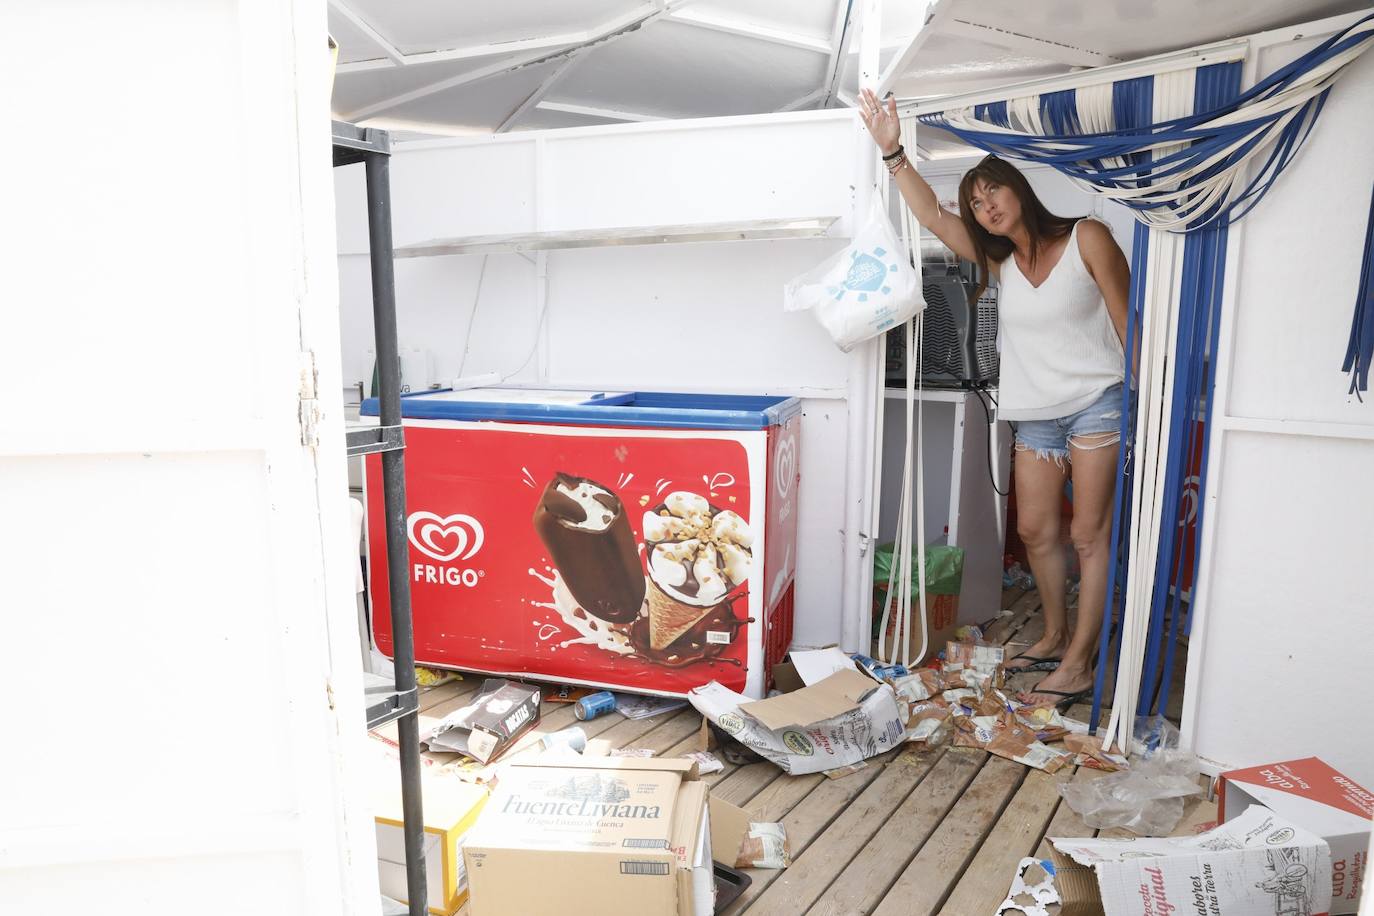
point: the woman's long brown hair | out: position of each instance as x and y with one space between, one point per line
1041 225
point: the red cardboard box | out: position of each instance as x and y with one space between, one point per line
1312 795
634 541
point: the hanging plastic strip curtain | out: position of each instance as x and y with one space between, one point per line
1199 324
1196 175
1132 106
1361 350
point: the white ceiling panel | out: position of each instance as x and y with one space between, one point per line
946 65
540 119
680 71
813 18
469 107
353 44
724 57
1136 28
416 26
360 89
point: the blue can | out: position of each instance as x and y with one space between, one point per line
597 704
890 672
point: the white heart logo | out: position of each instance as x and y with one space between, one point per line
785 466
429 532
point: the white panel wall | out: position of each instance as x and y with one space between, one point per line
688 317
1284 603
171 552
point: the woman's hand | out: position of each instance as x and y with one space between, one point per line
881 121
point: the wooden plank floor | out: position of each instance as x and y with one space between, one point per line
914 832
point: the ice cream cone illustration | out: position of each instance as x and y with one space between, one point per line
697 555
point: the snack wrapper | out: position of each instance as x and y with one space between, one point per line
1092 754
764 847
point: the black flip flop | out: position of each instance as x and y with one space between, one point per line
1036 664
1070 698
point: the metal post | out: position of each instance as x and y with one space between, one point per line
394 495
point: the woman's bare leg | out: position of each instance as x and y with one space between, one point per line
1039 498
1093 459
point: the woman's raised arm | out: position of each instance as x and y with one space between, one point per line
886 130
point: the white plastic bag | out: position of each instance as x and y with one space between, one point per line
863 290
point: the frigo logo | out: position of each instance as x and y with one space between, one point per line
785 467
445 538
452 538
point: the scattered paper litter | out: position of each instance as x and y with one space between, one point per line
706 762
839 772
1032 890
764 847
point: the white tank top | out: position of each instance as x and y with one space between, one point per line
1059 349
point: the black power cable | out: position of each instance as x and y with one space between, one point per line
988 413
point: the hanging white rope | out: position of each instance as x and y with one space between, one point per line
913 479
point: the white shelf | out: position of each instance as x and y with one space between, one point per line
803 228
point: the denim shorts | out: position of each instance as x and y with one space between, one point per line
1050 439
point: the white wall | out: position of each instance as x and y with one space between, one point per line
687 317
177 579
1279 660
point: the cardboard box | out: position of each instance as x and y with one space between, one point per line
805 667
1311 793
1258 864
618 836
729 827
488 726
451 807
840 720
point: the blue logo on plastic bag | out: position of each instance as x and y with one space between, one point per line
867 274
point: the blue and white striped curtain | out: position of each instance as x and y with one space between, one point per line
1189 153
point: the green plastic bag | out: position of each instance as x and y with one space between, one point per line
944 569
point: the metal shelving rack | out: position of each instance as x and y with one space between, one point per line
388 701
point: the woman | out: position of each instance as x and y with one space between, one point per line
1064 284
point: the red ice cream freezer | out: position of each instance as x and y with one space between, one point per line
632 540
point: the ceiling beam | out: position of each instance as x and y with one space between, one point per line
607 114
1039 47
470 51
502 66
937 14
840 37
941 88
393 54
615 29
870 41
732 26
810 98
536 96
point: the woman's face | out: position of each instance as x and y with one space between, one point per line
995 207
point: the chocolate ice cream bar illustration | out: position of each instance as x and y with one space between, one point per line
584 527
698 554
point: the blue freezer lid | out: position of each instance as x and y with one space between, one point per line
624 408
